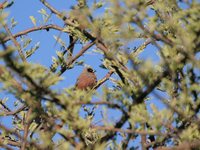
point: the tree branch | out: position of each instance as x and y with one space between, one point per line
187 145
113 129
45 27
9 142
30 143
27 123
100 82
73 59
14 112
15 43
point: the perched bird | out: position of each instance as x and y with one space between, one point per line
87 79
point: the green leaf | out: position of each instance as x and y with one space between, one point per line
32 50
45 16
26 43
43 12
13 23
33 20
60 41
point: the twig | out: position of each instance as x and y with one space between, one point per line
138 49
70 23
45 27
143 138
20 137
125 142
9 142
73 59
181 113
153 35
27 123
107 76
119 124
187 145
70 48
150 87
151 2
94 103
113 129
69 138
15 43
8 113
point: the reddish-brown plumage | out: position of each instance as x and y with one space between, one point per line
87 79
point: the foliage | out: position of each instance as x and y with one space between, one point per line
156 101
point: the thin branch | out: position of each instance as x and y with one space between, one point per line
112 129
14 112
73 59
8 111
53 10
157 142
102 46
119 124
30 143
15 43
181 113
150 87
143 138
110 104
15 83
27 123
67 21
125 142
45 27
158 36
151 2
70 48
107 76
70 139
187 145
142 46
9 142
94 103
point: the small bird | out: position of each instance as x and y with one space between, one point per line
87 79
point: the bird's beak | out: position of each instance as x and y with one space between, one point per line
94 71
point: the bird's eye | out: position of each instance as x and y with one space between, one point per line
90 70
